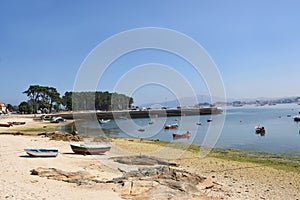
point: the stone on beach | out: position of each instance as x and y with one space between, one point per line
154 182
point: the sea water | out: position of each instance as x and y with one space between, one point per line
282 133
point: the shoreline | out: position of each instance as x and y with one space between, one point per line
277 161
31 126
224 178
139 113
38 128
227 174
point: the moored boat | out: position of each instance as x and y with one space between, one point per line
296 118
260 129
47 117
171 126
90 148
102 121
5 125
184 135
41 152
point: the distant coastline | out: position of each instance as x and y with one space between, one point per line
140 113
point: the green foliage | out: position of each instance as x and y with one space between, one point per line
67 100
11 107
25 108
96 101
43 97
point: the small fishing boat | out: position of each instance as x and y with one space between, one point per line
47 117
102 121
16 123
209 120
5 125
41 152
296 118
260 129
90 148
171 126
198 123
151 122
57 120
184 135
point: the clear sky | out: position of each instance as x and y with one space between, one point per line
254 43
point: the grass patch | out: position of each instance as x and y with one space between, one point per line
33 129
277 161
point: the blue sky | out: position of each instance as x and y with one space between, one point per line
255 44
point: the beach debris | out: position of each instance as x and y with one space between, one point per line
100 139
16 123
9 133
63 136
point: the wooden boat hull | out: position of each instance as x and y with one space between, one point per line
172 126
90 149
42 152
6 125
185 135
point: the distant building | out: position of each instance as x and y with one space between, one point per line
3 109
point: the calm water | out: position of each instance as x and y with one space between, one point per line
282 133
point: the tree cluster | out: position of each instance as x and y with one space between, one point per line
47 99
43 98
96 101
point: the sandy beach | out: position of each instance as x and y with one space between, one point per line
98 177
31 126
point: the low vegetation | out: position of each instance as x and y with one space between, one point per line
278 161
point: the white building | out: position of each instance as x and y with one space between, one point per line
3 109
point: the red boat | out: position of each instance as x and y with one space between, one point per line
260 129
5 125
185 135
171 126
